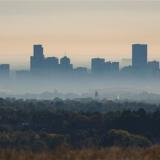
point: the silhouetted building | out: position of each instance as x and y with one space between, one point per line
139 56
37 60
80 71
51 64
65 64
98 65
112 67
38 51
4 71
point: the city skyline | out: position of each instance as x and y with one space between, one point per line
50 73
123 61
81 77
80 28
40 62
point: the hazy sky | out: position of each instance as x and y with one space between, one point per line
81 28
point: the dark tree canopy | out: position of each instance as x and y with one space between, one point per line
77 123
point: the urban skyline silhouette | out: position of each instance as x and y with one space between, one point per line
39 64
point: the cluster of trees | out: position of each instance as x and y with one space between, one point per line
30 140
76 105
37 125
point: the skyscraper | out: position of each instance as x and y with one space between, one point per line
38 51
139 56
98 65
65 64
51 64
4 71
37 60
111 67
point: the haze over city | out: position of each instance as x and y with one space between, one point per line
78 29
87 43
79 79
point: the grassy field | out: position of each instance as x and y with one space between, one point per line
114 153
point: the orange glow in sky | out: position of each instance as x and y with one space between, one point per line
80 29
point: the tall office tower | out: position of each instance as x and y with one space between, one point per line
4 71
98 65
38 51
65 64
139 56
51 64
37 60
111 67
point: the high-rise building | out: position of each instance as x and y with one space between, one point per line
4 71
139 56
111 67
37 60
65 64
51 64
65 61
38 51
98 65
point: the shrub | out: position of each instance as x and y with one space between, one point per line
125 139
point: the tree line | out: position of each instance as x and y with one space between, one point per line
36 125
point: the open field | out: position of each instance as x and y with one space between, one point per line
113 153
